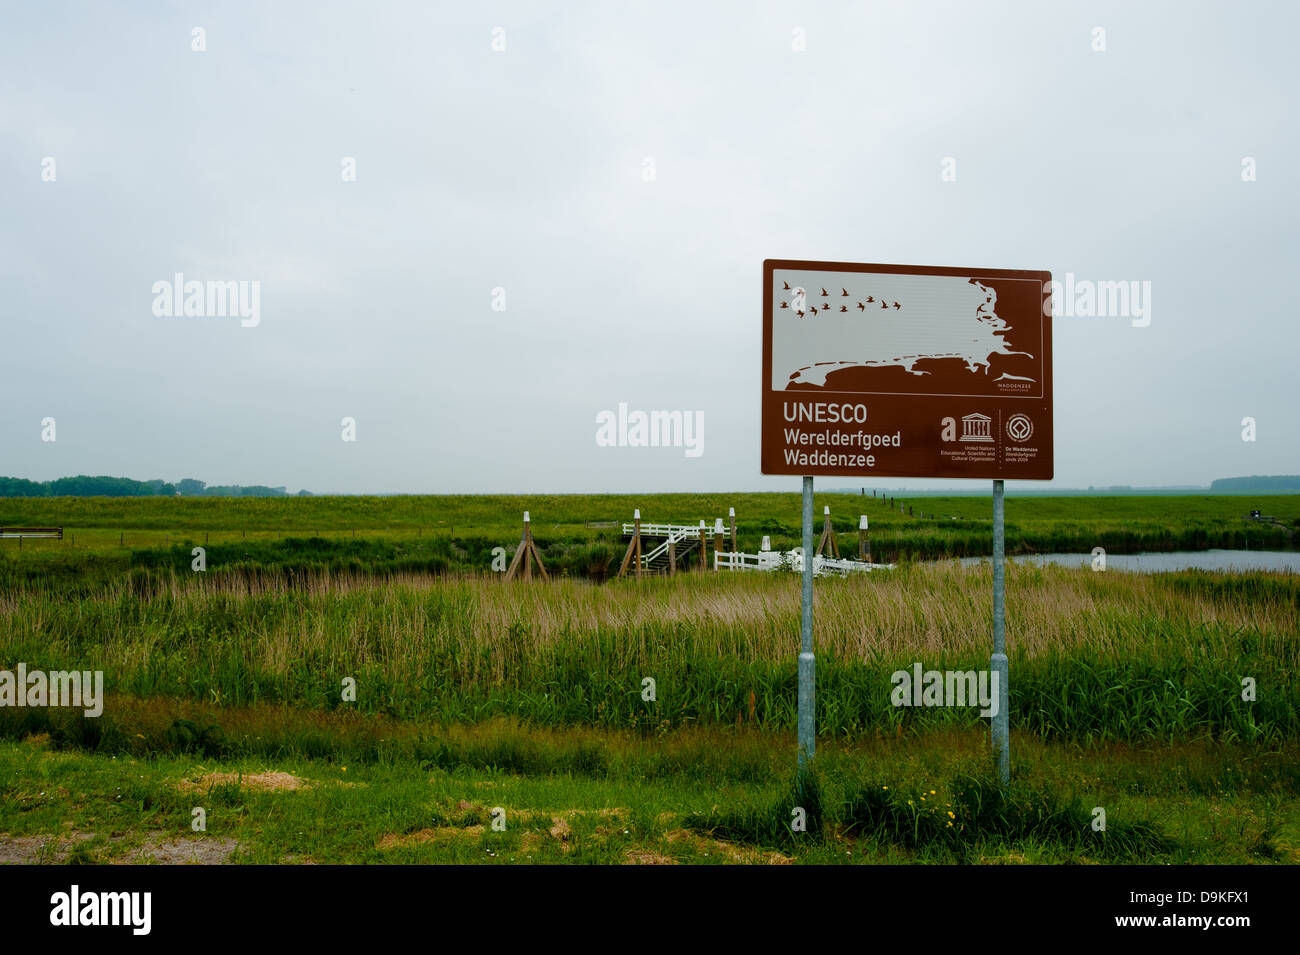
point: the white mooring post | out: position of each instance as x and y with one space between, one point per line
998 663
827 543
807 662
527 555
636 531
634 548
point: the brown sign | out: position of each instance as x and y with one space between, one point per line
906 371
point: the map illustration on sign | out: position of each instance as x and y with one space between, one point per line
906 371
904 333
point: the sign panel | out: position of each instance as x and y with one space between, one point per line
906 371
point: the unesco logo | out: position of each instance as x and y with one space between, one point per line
1019 427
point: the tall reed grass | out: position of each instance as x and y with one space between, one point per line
1093 655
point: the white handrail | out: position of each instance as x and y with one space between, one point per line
682 530
672 534
771 560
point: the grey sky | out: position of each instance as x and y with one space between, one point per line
522 170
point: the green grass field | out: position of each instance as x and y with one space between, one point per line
699 796
226 690
580 534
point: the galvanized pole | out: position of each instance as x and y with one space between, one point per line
807 666
998 663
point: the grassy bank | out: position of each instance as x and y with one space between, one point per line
702 796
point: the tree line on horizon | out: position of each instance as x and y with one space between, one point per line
105 486
1258 482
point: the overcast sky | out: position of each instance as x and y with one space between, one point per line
525 169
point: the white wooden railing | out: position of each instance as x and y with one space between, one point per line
771 560
672 534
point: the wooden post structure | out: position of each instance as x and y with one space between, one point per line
704 548
634 548
672 557
731 514
864 545
526 554
827 542
717 541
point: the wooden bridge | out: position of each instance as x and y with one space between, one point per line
661 548
669 547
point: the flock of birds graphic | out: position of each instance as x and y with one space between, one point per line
798 295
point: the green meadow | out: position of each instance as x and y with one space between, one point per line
347 681
580 534
701 796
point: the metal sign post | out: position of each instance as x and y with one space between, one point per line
807 665
998 662
873 370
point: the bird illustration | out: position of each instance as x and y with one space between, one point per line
896 305
799 313
861 307
844 308
870 299
883 304
813 309
784 305
824 293
787 286
844 292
